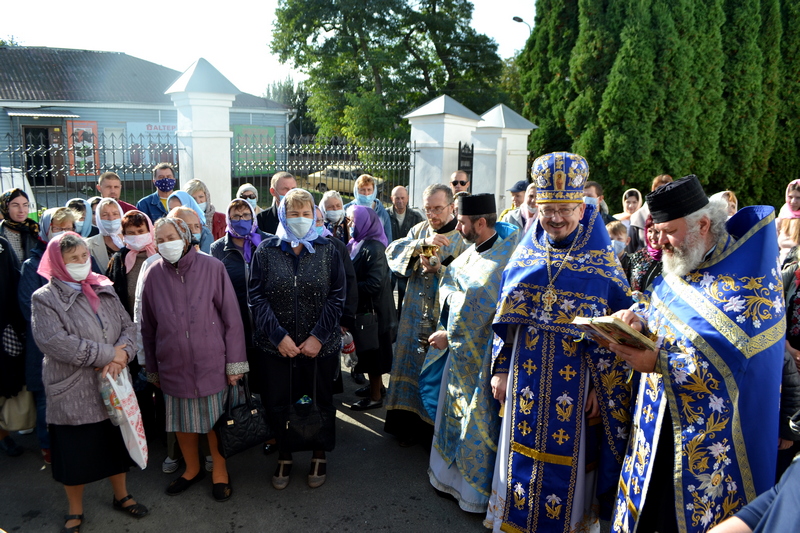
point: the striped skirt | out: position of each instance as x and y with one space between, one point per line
196 415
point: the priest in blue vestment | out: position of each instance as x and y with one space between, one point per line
706 419
566 400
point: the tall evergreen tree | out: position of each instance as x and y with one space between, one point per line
600 24
629 105
545 69
769 41
742 93
706 41
784 165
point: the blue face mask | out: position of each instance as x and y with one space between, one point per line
299 226
202 206
280 198
253 202
590 201
112 227
79 226
242 227
319 229
363 199
197 236
618 246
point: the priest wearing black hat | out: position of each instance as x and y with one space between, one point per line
706 414
454 382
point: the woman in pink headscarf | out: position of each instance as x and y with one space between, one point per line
789 220
85 333
125 265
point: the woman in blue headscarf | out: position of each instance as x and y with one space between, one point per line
83 223
297 292
183 198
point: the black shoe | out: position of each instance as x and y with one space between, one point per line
222 491
365 403
363 392
137 510
358 378
181 484
73 529
12 449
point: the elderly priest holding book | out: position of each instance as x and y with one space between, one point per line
707 408
566 400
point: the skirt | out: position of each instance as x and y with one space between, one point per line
376 361
88 452
194 415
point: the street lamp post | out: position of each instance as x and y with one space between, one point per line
519 19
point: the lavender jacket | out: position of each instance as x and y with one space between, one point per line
75 342
192 329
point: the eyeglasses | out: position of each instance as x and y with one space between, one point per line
246 216
563 212
246 197
435 210
458 182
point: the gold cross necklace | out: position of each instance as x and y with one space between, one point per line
549 297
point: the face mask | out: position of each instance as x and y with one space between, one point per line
137 242
299 226
280 198
197 236
531 210
202 206
319 229
171 251
165 185
79 271
79 226
618 246
112 227
241 227
334 216
364 200
590 201
253 202
55 234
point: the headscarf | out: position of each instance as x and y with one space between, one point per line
52 266
370 198
44 223
183 230
366 226
150 249
285 233
625 215
26 226
247 187
186 200
252 239
654 253
210 210
117 237
325 231
786 210
87 216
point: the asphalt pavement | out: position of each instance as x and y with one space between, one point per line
373 485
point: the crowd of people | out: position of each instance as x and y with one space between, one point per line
528 420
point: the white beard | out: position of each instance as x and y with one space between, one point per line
686 257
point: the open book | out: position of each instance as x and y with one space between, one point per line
607 329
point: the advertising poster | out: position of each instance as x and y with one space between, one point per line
152 143
254 150
84 160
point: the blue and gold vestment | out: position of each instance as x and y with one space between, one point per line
540 484
719 373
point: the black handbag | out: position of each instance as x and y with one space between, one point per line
242 426
365 332
306 426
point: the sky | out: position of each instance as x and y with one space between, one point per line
235 41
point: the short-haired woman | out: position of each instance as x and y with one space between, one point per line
194 346
82 328
215 222
297 292
365 192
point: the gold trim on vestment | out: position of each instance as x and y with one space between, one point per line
541 456
739 242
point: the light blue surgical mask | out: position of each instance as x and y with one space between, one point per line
112 227
618 246
363 199
280 198
590 201
299 226
319 229
79 226
334 216
253 202
203 206
197 236
54 234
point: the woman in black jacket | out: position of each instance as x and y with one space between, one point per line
367 249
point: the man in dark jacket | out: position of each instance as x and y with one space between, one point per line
403 219
281 183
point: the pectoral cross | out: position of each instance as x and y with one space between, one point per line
567 373
549 298
560 436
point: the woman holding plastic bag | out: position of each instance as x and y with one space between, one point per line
85 334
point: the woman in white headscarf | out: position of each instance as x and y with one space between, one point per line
108 219
631 202
249 193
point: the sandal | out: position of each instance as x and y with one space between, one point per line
137 510
222 492
281 477
317 475
73 529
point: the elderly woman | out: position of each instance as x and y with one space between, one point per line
249 194
20 231
83 223
367 250
194 346
215 222
201 235
297 291
84 332
333 209
365 192
631 202
108 219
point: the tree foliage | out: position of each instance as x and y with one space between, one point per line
9 41
295 96
371 61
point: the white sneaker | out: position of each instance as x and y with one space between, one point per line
26 431
170 466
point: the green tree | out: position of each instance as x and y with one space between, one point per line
295 96
742 93
784 164
769 41
9 41
510 84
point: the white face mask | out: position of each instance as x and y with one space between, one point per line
137 242
334 216
171 251
79 271
299 226
112 227
54 234
202 206
531 210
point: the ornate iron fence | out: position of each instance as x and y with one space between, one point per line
321 163
55 167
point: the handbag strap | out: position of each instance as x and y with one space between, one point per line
232 389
